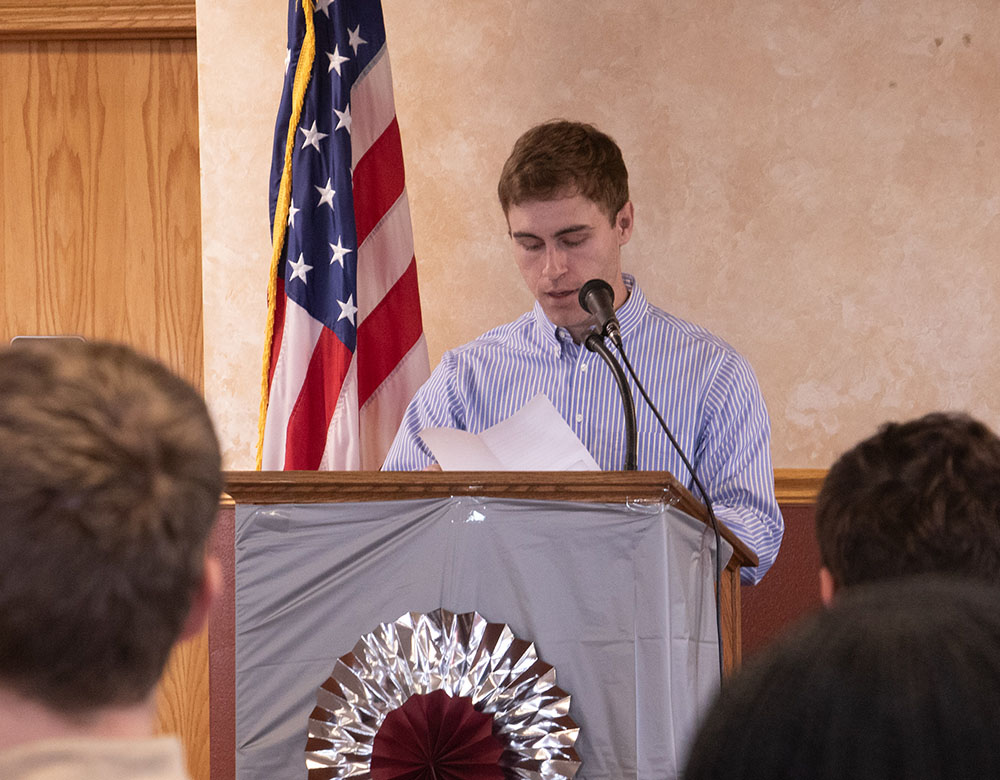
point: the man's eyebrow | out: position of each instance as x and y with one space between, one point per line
572 229
560 232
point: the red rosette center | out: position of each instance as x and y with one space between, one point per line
435 736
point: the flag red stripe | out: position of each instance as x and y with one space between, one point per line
388 333
310 419
378 181
279 328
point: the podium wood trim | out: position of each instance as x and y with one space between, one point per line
89 20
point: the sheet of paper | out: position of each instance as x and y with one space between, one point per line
535 438
457 450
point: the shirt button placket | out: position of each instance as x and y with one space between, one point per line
580 389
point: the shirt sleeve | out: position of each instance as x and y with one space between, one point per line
435 405
734 464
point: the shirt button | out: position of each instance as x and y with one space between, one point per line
579 418
583 367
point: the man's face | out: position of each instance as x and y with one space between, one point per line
562 243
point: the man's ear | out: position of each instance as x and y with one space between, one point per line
209 591
827 587
625 221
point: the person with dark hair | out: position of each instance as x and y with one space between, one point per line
110 477
564 192
917 497
897 679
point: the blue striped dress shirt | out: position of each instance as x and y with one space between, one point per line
707 393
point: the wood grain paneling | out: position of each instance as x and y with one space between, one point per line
93 20
100 218
100 204
182 703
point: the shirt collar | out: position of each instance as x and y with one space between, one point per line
634 308
548 334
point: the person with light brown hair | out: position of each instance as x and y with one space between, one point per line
109 486
917 497
564 191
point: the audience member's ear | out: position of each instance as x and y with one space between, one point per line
827 587
207 593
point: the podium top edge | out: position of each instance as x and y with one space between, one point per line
610 487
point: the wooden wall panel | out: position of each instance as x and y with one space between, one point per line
100 195
182 703
100 213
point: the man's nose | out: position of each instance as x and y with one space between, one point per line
555 262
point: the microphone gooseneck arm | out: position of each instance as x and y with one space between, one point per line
595 343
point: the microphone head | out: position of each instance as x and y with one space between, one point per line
591 294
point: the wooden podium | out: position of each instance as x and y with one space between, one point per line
303 488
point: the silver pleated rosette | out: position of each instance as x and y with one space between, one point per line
462 655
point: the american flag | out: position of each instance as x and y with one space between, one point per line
345 348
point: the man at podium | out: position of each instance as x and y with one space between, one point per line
564 191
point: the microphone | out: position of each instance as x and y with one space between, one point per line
597 298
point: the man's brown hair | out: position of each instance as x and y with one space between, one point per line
917 497
109 485
560 157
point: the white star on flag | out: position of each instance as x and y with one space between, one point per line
343 119
300 269
292 211
355 39
313 136
339 252
326 194
336 60
324 6
347 309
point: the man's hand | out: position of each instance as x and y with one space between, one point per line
433 467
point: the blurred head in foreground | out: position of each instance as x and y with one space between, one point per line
896 679
109 485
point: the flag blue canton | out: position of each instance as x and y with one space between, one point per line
319 263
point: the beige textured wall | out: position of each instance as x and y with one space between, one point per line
818 183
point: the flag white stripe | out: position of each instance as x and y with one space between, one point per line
372 106
384 256
382 409
299 337
343 447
